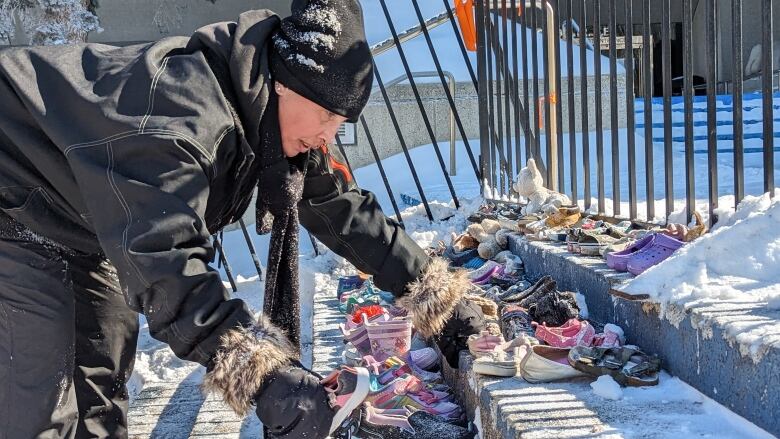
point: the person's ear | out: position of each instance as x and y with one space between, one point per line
281 90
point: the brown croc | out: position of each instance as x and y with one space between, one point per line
564 217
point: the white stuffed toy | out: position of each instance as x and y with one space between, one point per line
529 184
491 237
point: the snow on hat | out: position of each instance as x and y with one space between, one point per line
322 54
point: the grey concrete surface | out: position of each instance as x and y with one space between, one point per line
697 349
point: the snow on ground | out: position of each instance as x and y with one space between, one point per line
734 267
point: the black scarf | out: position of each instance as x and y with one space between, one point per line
278 193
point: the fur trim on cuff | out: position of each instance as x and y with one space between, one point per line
245 358
432 297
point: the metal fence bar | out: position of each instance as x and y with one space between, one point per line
583 34
737 116
613 99
459 37
223 261
648 111
628 59
496 39
251 246
423 112
712 122
537 153
570 101
666 41
490 84
381 170
346 159
507 93
516 94
767 46
528 117
550 182
485 164
397 127
450 97
599 106
555 96
690 183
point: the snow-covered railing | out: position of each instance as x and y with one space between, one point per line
585 40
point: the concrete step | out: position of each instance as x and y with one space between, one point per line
706 347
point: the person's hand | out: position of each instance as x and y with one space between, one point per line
293 404
467 319
435 301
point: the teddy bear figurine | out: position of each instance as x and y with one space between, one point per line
529 184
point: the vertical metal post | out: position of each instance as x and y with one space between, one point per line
666 42
584 101
528 117
690 182
551 177
516 101
648 107
613 99
223 260
737 116
482 98
555 94
496 40
570 101
767 72
507 92
712 122
599 107
535 77
630 110
491 108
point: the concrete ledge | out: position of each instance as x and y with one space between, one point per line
694 345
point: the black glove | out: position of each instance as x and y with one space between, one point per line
466 319
293 404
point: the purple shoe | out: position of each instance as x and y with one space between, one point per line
619 260
661 248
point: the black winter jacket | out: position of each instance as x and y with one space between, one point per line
134 152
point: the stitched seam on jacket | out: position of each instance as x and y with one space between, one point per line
128 134
216 144
335 235
150 105
126 208
27 202
179 335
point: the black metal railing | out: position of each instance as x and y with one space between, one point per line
619 44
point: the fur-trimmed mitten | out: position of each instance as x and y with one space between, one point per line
435 302
245 359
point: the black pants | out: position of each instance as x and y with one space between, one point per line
67 344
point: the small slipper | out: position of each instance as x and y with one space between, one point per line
592 244
627 365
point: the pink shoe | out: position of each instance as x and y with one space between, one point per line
572 333
484 343
612 337
652 254
389 337
357 333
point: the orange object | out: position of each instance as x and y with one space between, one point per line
337 166
464 9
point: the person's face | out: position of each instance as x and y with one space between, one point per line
304 125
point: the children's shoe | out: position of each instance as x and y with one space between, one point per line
484 343
612 337
357 333
483 272
619 260
389 337
573 333
347 389
652 254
